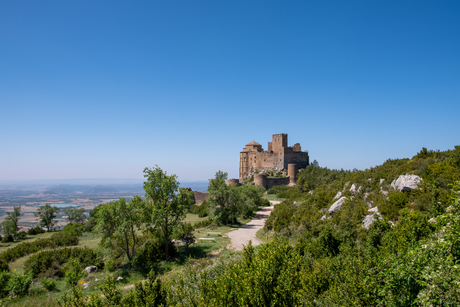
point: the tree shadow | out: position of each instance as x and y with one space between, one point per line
194 251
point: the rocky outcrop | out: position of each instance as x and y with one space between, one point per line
372 217
406 182
91 269
338 195
337 205
353 188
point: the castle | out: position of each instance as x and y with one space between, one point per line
278 157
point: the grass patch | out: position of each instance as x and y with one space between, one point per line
273 197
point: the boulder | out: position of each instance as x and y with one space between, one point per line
91 269
406 181
337 205
381 181
372 217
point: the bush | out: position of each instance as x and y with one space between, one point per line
74 229
22 234
50 263
4 278
65 238
35 231
185 234
48 284
151 253
203 224
3 266
19 284
26 248
8 239
74 273
201 210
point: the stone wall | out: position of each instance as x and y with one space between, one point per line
199 197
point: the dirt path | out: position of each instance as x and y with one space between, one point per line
247 232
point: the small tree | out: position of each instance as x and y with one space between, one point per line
117 222
46 215
10 224
185 233
164 208
75 215
224 200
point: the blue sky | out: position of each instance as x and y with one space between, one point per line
102 89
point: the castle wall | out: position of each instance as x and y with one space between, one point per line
199 197
278 156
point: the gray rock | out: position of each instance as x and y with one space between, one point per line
406 181
91 269
85 285
337 205
353 188
372 217
338 195
381 181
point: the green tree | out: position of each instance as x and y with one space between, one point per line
46 215
164 208
10 224
75 215
118 222
224 200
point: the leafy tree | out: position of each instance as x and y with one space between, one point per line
185 233
164 208
223 199
10 224
47 215
7 228
75 215
117 222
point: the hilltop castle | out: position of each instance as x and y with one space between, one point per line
277 157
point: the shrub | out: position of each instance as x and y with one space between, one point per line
50 263
48 284
74 273
203 224
22 234
26 248
35 231
151 253
8 239
3 265
74 229
185 234
65 238
396 201
4 278
19 284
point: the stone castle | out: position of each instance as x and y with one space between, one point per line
278 157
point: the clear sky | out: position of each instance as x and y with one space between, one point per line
102 89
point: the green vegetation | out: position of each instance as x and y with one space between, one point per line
47 215
229 202
409 256
9 226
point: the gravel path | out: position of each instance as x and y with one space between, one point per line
245 233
